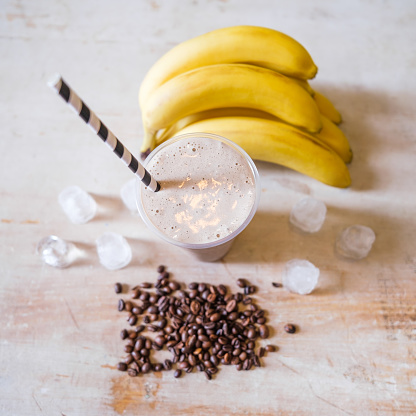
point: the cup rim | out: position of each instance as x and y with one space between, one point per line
196 246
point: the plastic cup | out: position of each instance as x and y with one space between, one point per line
213 250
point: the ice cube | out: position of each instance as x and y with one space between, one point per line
56 252
308 214
128 195
300 276
77 204
355 241
113 251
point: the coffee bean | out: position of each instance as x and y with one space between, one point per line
192 360
251 333
139 344
135 366
122 367
211 297
261 352
231 305
137 310
139 328
208 375
183 365
158 367
118 288
214 359
241 283
144 296
132 372
128 348
222 290
235 361
121 305
145 285
153 298
129 359
275 284
206 345
195 307
165 275
247 300
232 316
290 328
135 294
153 310
132 320
128 306
246 290
146 367
144 352
162 323
124 334
215 317
270 348
223 340
200 367
167 365
177 373
130 342
264 331
160 340
161 268
174 285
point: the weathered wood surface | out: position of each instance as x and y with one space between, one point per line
355 352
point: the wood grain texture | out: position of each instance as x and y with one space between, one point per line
355 351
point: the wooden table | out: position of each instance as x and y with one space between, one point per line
355 351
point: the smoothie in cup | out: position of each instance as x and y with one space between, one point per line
209 193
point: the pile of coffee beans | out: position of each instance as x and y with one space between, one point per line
202 326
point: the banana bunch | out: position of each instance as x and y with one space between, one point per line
249 84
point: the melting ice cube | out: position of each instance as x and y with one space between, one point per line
113 251
57 252
128 195
308 214
355 242
300 276
77 204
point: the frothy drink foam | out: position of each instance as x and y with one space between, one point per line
208 190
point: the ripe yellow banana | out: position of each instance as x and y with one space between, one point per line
326 107
202 115
228 85
255 45
279 143
331 135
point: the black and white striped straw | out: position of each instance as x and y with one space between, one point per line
72 99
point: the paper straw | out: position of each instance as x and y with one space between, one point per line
72 99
